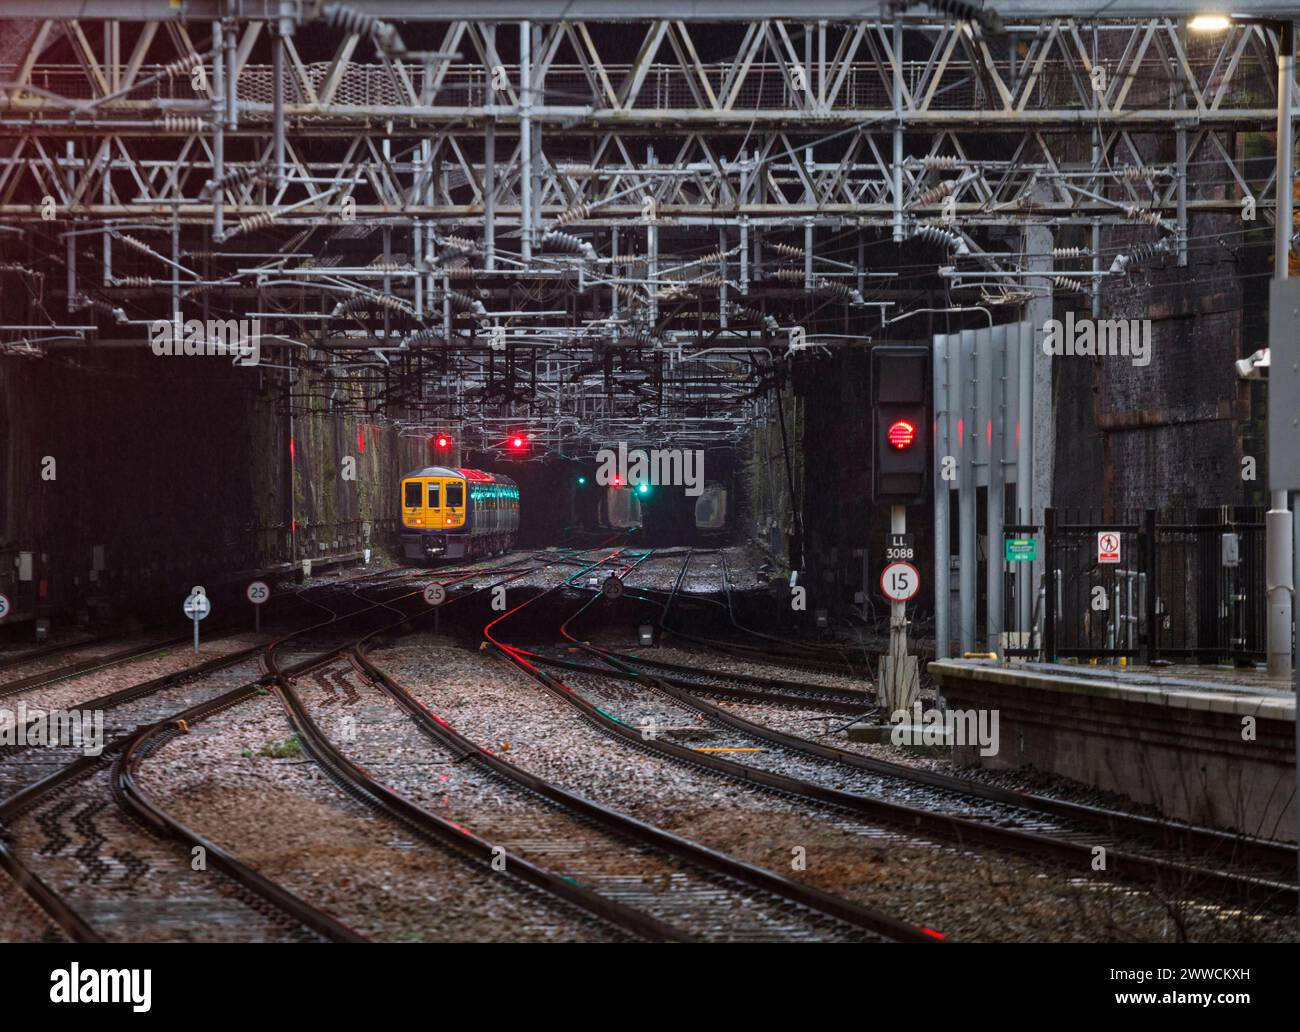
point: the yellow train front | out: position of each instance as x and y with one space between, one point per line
452 513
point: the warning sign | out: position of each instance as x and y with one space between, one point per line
1108 546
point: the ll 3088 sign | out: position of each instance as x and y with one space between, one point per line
900 582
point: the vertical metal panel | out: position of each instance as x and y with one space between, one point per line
967 491
942 449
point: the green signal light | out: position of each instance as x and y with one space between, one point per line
643 488
582 480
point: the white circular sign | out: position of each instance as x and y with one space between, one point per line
900 582
4 606
613 587
259 592
197 605
435 594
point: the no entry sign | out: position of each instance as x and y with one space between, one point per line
1108 546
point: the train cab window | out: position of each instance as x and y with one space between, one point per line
411 494
455 495
433 495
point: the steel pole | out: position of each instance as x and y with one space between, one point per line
1278 551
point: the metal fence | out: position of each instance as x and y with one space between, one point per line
1147 585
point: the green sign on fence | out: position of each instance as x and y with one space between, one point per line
1022 550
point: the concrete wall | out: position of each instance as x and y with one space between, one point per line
1178 748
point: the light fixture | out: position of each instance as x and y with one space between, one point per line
1210 23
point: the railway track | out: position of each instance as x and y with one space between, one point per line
691 892
632 876
107 869
957 811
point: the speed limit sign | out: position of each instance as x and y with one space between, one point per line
900 582
435 594
258 592
4 606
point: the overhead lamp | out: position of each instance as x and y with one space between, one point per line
1209 23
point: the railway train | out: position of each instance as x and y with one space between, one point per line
453 513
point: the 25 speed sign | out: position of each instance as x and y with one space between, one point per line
900 582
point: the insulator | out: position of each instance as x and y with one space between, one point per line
942 162
1143 173
578 213
395 304
340 16
985 16
941 236
756 315
15 267
182 65
712 282
104 308
625 261
133 281
422 336
568 243
1068 252
362 302
1070 283
139 245
788 275
235 177
182 123
840 291
630 292
389 265
458 245
202 288
255 222
937 193
464 303
1151 218
788 250
461 270
1139 254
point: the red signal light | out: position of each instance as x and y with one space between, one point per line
901 434
442 442
517 442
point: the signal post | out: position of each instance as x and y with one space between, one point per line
900 395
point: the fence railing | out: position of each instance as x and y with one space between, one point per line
1148 585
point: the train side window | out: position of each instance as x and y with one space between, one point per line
455 495
411 494
433 495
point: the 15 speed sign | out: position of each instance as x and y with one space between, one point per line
900 582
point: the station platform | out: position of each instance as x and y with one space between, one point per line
1209 745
